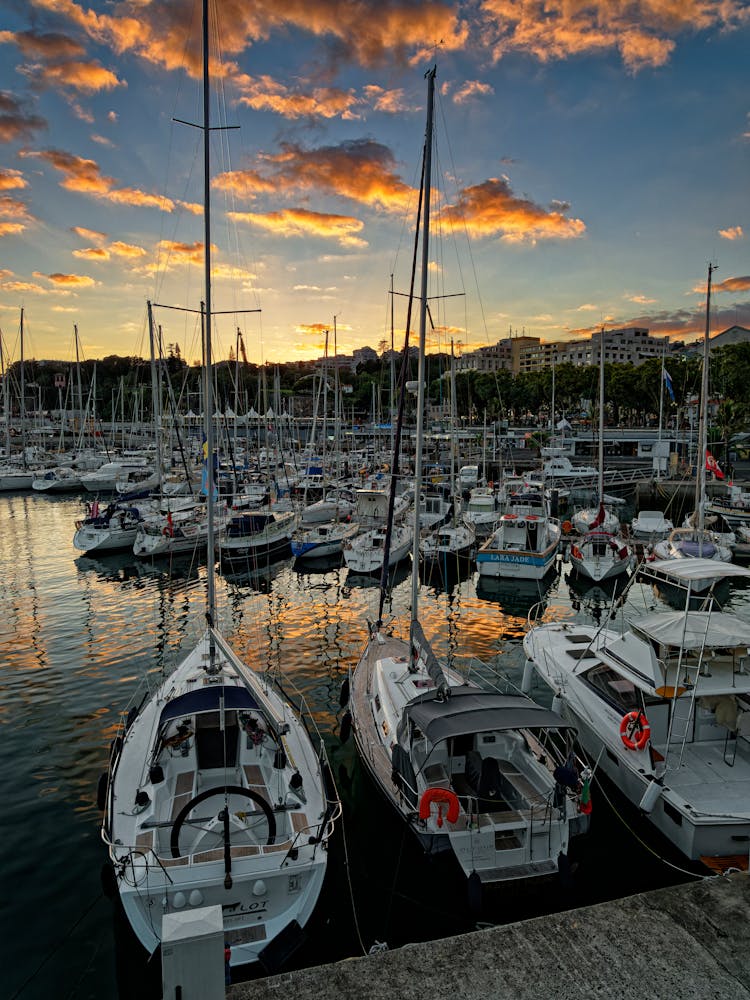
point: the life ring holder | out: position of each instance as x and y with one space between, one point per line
443 796
635 731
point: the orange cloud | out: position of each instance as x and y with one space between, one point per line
300 222
15 123
92 253
370 32
642 33
83 176
360 169
733 285
733 233
23 286
472 88
11 228
89 234
13 208
50 46
388 101
491 209
12 179
70 280
120 249
84 77
244 183
266 94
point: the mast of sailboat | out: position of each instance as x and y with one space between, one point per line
422 339
601 418
700 480
206 310
22 408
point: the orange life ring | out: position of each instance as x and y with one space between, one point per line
510 517
532 517
576 552
567 527
443 796
635 731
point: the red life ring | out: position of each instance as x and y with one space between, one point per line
443 796
635 731
532 517
576 552
510 517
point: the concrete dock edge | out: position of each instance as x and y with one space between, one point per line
689 941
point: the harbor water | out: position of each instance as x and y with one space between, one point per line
78 634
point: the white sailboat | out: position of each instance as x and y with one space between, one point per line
215 793
601 553
696 540
469 771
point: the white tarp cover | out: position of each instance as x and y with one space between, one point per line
716 629
696 568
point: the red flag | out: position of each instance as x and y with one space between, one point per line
712 465
599 519
170 525
95 508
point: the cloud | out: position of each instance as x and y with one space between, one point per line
491 209
296 222
642 33
244 183
92 253
266 94
89 234
23 286
370 32
388 101
733 233
11 228
119 249
641 300
15 122
11 179
733 285
360 169
471 88
82 77
102 140
49 46
14 208
69 280
84 177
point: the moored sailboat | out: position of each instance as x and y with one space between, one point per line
216 794
488 777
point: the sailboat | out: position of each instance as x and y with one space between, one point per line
695 540
601 553
488 777
216 794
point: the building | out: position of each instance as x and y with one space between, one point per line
504 355
630 345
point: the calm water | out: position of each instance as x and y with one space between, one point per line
76 636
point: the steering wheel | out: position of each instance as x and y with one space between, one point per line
174 841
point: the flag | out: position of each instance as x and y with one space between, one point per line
95 508
668 384
712 465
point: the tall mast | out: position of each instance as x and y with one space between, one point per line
22 408
422 338
601 418
208 391
700 482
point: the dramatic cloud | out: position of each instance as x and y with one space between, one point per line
388 101
299 222
13 208
370 32
92 253
361 170
642 32
83 77
48 47
491 209
733 233
84 176
246 184
15 122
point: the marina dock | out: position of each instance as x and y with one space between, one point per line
683 942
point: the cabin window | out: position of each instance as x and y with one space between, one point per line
377 703
615 689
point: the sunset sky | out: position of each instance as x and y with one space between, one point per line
591 159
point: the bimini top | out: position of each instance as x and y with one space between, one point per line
695 629
473 710
207 699
696 568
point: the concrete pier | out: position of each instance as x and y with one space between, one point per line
689 942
